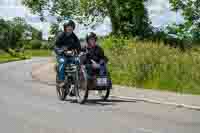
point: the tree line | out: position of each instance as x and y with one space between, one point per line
16 35
128 17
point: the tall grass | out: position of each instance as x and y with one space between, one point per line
152 65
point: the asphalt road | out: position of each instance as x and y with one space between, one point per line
27 106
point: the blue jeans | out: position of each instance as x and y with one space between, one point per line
62 61
102 71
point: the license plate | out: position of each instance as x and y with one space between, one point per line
101 81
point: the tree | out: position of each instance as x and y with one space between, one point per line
191 12
190 9
55 7
13 33
54 29
128 17
4 34
18 26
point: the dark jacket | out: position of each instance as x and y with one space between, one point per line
72 41
96 53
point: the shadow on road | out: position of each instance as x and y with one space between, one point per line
109 102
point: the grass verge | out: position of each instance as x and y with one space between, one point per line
4 58
39 53
153 65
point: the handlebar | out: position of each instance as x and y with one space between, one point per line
64 49
61 50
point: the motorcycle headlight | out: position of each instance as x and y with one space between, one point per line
61 60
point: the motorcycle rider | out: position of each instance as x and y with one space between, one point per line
95 58
69 40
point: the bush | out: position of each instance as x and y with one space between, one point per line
18 54
113 42
51 44
45 45
35 44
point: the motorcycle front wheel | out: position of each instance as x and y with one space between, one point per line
61 93
81 87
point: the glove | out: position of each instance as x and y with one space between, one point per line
95 65
58 51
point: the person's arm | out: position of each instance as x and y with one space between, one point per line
77 43
58 40
102 55
58 43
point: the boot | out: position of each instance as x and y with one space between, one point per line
61 84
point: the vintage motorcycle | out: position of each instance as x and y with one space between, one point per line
79 82
75 80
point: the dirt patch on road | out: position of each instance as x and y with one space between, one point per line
44 73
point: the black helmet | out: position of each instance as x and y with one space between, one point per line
91 35
69 23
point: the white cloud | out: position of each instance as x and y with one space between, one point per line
160 13
9 12
10 2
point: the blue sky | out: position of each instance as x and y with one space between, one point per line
159 13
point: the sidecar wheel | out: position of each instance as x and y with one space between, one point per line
104 94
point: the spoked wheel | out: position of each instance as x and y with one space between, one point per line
81 87
61 93
104 94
